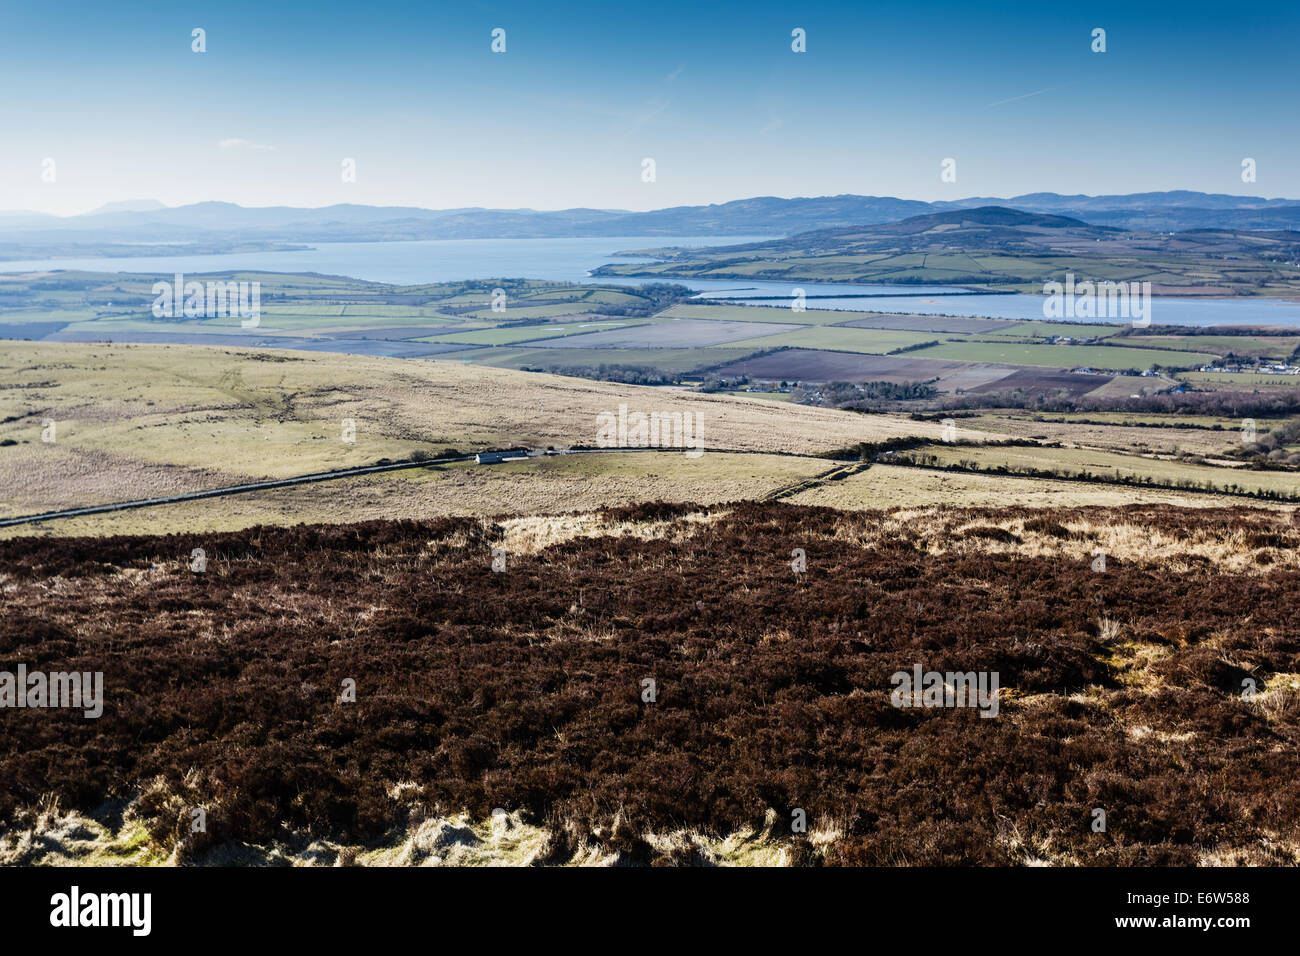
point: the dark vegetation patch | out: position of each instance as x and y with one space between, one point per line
819 365
1046 381
864 396
1239 403
612 372
1044 525
523 689
987 532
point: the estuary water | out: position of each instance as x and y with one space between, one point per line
573 260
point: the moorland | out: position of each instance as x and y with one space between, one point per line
1103 514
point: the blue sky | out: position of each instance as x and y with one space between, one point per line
411 91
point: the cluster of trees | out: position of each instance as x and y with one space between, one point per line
714 384
878 451
863 396
655 296
61 283
1269 450
915 347
626 374
1218 331
1234 404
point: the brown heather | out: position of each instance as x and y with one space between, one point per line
522 690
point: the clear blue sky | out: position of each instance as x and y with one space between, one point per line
412 91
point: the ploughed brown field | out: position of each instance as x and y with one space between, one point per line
522 690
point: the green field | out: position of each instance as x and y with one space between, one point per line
1036 329
673 361
355 311
513 313
307 322
840 339
1019 329
1255 346
754 393
509 335
765 312
1061 356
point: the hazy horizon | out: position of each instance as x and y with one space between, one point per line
545 209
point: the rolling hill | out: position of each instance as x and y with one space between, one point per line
1003 248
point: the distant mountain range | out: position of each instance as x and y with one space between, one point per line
147 221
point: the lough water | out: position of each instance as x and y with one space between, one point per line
572 260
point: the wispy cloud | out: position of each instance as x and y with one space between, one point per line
655 106
1022 96
242 144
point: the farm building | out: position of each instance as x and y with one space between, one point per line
496 457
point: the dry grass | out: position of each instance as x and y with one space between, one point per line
532 534
431 839
539 487
892 486
1118 438
1124 537
140 420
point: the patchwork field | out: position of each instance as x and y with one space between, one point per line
1039 380
670 333
836 338
1036 329
764 311
759 312
583 362
813 365
646 334
511 334
944 323
1063 356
